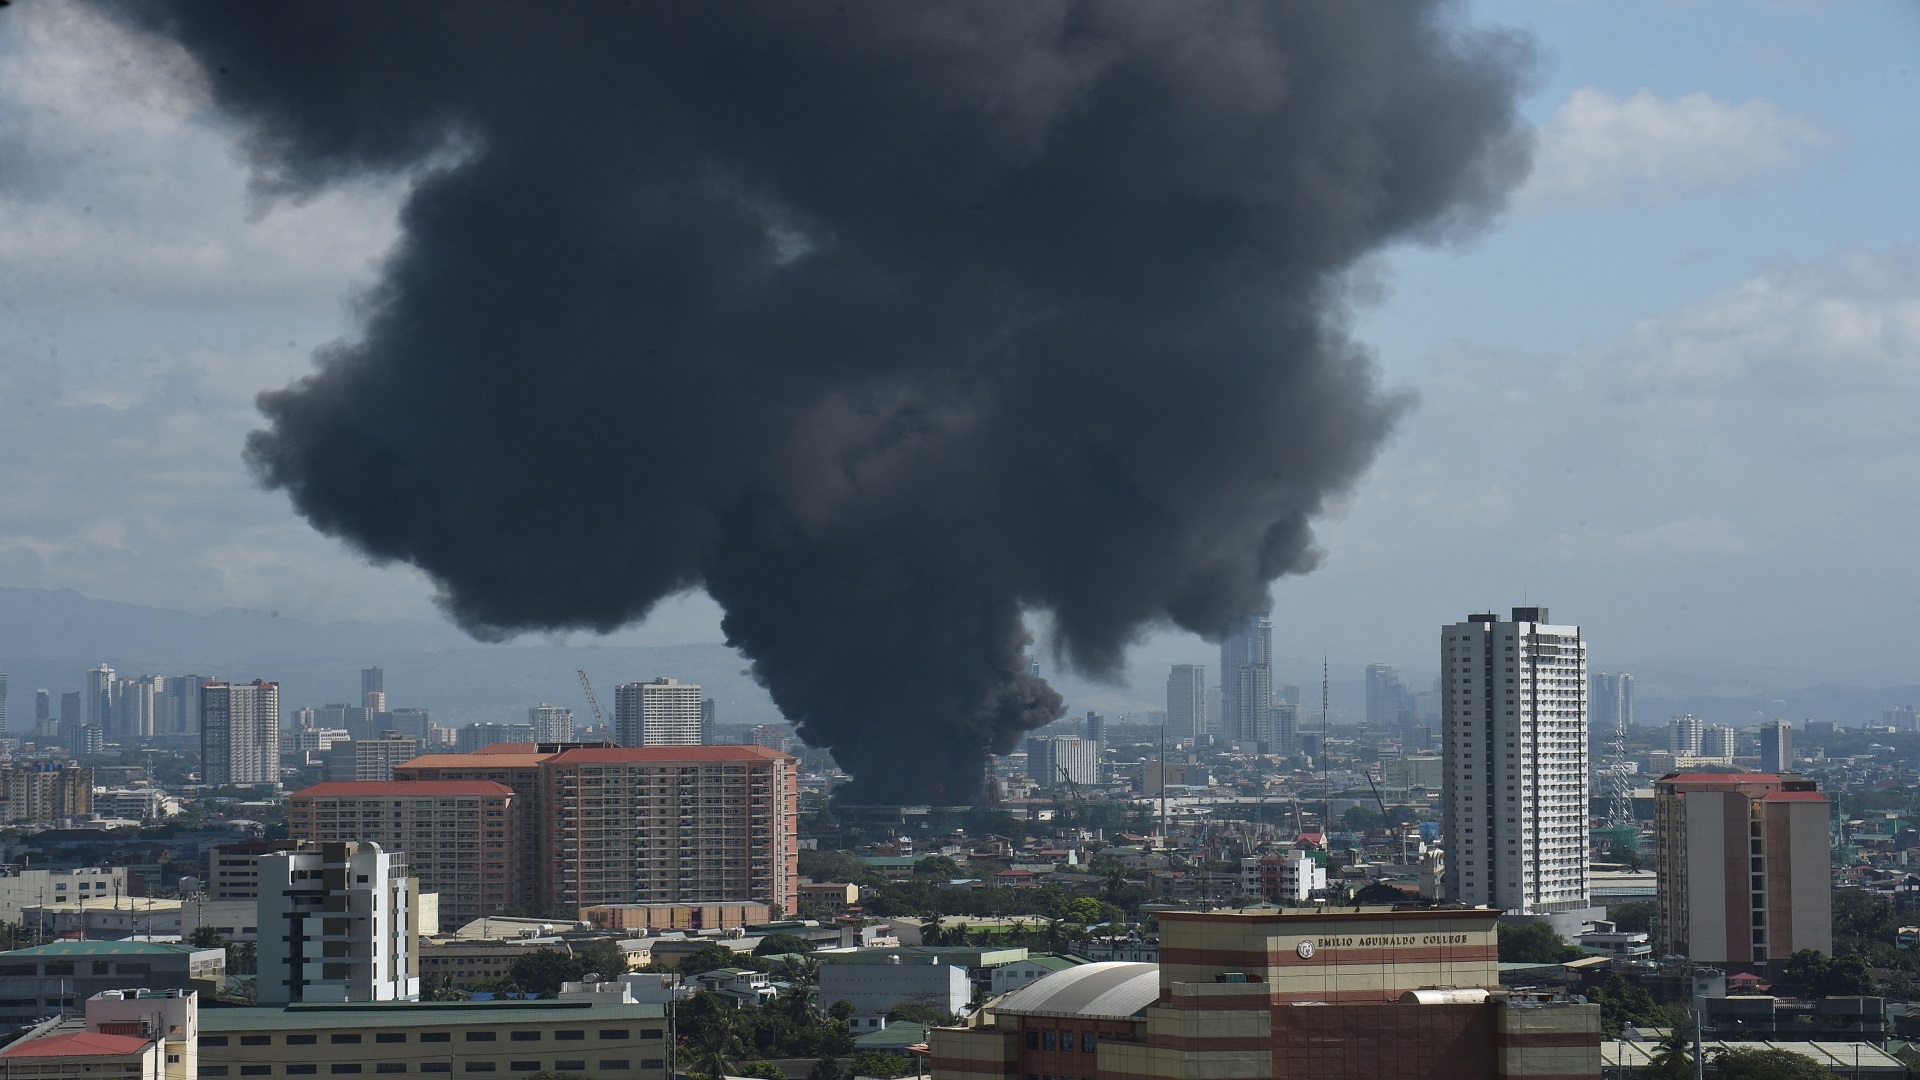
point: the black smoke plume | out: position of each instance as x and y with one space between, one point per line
882 321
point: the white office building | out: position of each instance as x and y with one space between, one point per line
1685 735
1515 744
240 733
664 712
344 925
1057 759
1187 702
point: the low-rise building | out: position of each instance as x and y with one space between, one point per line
873 989
604 1041
652 918
128 1034
1284 877
21 887
104 918
45 980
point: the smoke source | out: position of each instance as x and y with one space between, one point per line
883 322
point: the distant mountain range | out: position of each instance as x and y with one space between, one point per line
49 637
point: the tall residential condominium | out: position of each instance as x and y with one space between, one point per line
1283 729
654 824
1716 744
550 723
1776 747
1743 868
44 792
134 703
1609 704
373 680
1388 703
240 733
346 922
459 836
1514 793
370 759
1685 734
1187 701
1246 677
664 712
1060 759
3 703
97 699
43 714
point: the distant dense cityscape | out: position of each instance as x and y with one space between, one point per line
1515 834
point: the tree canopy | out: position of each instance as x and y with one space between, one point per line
1534 943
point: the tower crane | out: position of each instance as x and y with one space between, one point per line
599 721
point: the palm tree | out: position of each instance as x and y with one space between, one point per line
715 1048
930 931
1673 1060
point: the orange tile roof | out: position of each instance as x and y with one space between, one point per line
672 753
406 787
77 1044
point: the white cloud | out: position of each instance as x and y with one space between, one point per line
1599 150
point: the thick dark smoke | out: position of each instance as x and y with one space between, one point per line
881 321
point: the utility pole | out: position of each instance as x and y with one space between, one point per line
1326 775
1163 785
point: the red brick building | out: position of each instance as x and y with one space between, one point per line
460 836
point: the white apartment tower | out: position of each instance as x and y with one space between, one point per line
1246 678
664 712
1187 701
96 704
240 733
351 916
1515 747
550 723
1685 734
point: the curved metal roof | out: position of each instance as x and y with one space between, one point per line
1113 991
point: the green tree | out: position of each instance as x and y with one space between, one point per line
938 866
777 944
1534 943
826 1069
1622 1003
1759 1063
880 1063
709 957
913 1012
764 1070
206 937
604 958
1826 976
713 1044
1379 893
841 1010
1633 917
1672 1059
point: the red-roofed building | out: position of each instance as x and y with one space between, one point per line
650 824
461 836
130 1034
1743 866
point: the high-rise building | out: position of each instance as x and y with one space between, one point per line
709 720
183 703
1901 718
44 791
1057 759
1387 699
3 703
1514 793
1684 734
459 836
1187 701
240 733
373 680
133 709
474 737
550 723
374 701
1716 744
656 824
664 712
1246 677
370 759
1097 727
88 740
1743 868
1609 704
72 714
1776 747
43 722
97 699
346 918
1283 730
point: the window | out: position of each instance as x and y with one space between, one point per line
482 1036
1033 1043
615 1064
524 1036
436 1066
256 1070
1046 1041
570 1065
390 1067
344 1037
562 1036
256 1040
653 1033
213 1070
212 1040
1086 1043
652 1063
524 1066
436 1036
390 1037
302 1040
339 1070
613 1033
292 1070
483 1066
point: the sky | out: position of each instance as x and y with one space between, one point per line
1671 394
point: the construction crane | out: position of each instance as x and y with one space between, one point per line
599 720
1391 824
1075 800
